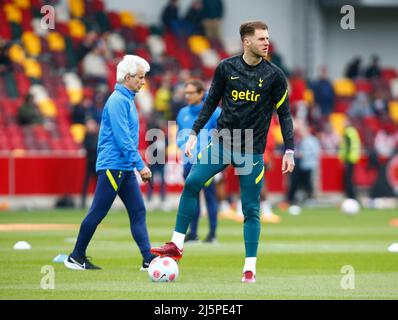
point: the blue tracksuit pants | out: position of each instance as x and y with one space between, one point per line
111 183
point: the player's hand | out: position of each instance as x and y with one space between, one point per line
145 174
288 162
190 145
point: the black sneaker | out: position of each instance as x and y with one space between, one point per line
191 238
210 239
80 264
145 264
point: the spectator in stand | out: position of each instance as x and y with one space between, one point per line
380 104
350 152
5 62
213 11
90 145
170 17
276 58
374 70
86 45
360 108
354 69
329 140
81 112
97 106
194 18
94 67
324 92
29 113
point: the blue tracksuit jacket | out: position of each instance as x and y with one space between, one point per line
119 133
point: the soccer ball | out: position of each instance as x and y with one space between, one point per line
163 269
294 210
350 206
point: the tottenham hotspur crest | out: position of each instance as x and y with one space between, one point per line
260 82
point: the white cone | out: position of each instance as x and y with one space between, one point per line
60 258
22 245
393 247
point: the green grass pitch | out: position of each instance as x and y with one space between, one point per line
300 258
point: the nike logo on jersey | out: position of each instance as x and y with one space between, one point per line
234 78
256 163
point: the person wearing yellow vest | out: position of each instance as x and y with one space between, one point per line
349 153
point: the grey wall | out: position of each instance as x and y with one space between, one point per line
305 34
376 32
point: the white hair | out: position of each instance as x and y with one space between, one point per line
129 66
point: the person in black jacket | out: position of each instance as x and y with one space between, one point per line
90 144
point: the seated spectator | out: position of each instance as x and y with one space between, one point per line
360 107
94 67
194 18
81 112
28 112
380 104
354 69
5 62
374 70
170 18
324 92
97 107
86 45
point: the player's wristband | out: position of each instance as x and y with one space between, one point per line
289 151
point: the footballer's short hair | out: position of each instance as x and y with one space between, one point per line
248 28
129 66
198 84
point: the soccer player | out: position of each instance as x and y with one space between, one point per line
194 93
117 157
251 88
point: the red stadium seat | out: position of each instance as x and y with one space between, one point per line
141 33
363 85
114 20
389 74
23 83
26 20
372 123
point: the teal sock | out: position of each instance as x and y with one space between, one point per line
186 210
251 234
